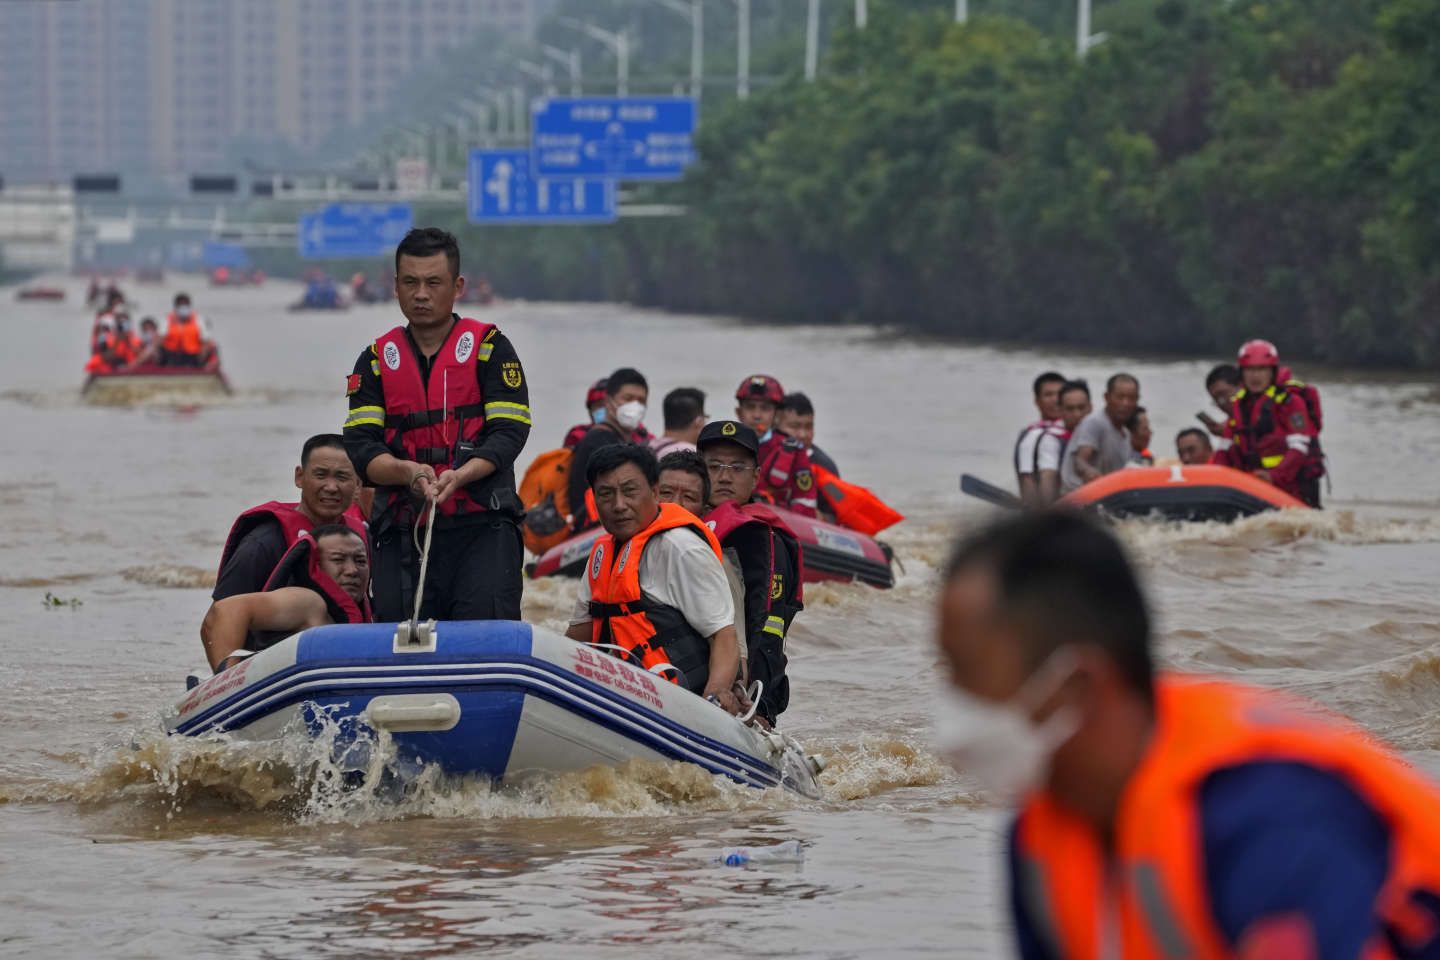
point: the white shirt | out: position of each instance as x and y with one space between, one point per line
1050 449
678 569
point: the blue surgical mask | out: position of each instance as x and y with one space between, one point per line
598 416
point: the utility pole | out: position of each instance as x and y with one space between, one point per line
742 56
862 14
617 42
694 12
962 11
571 60
812 40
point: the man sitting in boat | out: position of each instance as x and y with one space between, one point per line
654 586
787 477
795 417
1074 401
324 578
1101 443
1193 447
768 551
261 536
684 411
684 480
1222 383
147 345
185 343
1046 390
1140 437
626 392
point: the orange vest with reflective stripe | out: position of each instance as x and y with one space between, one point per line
182 336
655 635
1148 897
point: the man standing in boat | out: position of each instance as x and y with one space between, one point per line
439 410
654 585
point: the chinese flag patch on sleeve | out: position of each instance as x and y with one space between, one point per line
352 384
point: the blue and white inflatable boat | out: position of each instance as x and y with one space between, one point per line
495 698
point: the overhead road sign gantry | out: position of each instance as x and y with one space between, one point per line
503 189
344 230
621 138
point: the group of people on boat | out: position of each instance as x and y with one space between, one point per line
1271 429
695 574
116 345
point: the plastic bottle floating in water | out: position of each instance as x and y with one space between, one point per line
788 852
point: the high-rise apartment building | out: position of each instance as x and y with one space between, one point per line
171 85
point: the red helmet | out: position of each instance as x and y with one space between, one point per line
760 386
596 393
1259 353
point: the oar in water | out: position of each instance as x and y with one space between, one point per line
988 492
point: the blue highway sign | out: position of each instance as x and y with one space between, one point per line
502 189
353 230
624 138
216 253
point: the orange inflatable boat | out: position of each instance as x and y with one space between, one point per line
1181 493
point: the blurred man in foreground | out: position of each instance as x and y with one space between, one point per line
1167 816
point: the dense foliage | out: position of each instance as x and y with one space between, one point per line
1211 171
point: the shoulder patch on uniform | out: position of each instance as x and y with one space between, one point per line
1297 420
804 480
777 586
511 374
352 384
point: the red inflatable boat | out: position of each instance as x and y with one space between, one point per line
1181 493
832 553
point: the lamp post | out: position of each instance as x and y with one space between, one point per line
541 72
694 12
862 14
812 39
742 52
962 11
1084 39
619 43
571 60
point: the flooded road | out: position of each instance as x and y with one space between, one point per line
114 839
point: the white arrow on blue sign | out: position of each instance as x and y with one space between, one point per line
502 189
344 230
624 138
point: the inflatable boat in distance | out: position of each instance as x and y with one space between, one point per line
1181 493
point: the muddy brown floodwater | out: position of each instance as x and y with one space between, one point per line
116 841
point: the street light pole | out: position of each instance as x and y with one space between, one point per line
812 40
742 55
542 72
862 14
962 11
571 60
618 42
694 12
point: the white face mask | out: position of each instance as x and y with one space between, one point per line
182 312
997 742
629 415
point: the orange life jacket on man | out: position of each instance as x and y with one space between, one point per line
428 421
1148 898
656 636
182 335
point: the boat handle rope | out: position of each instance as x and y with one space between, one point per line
414 633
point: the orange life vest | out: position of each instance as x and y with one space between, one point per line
853 505
545 495
655 635
1152 885
182 336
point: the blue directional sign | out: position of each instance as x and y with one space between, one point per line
503 190
624 138
353 230
216 253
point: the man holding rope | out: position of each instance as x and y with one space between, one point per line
439 410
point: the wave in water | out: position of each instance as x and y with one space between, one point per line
170 575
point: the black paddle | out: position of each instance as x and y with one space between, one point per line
988 492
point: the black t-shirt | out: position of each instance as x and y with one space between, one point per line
254 559
597 437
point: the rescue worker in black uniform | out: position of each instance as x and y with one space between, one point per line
767 551
440 409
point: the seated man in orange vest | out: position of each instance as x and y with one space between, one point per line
185 343
654 585
326 579
1167 815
